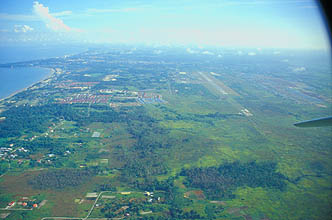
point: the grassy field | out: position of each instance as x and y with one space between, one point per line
59 202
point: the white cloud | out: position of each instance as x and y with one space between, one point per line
22 28
252 54
62 13
51 22
157 51
95 10
207 52
190 50
299 69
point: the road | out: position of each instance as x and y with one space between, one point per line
60 218
9 209
87 216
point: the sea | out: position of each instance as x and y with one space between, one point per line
16 79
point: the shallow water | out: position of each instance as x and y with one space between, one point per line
15 79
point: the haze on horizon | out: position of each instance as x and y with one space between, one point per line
243 23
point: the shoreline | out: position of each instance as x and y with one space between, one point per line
49 75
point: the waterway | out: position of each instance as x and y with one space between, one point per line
16 79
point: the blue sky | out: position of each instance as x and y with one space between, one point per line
230 23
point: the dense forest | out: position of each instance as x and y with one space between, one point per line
53 145
33 118
26 118
218 182
61 178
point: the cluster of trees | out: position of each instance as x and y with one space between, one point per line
62 178
152 184
142 164
219 181
27 118
3 167
105 187
144 159
99 116
213 211
53 145
19 119
176 213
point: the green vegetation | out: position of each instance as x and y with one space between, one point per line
218 182
168 136
59 179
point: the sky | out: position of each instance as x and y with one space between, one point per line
228 23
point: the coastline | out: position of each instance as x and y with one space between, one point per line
49 75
